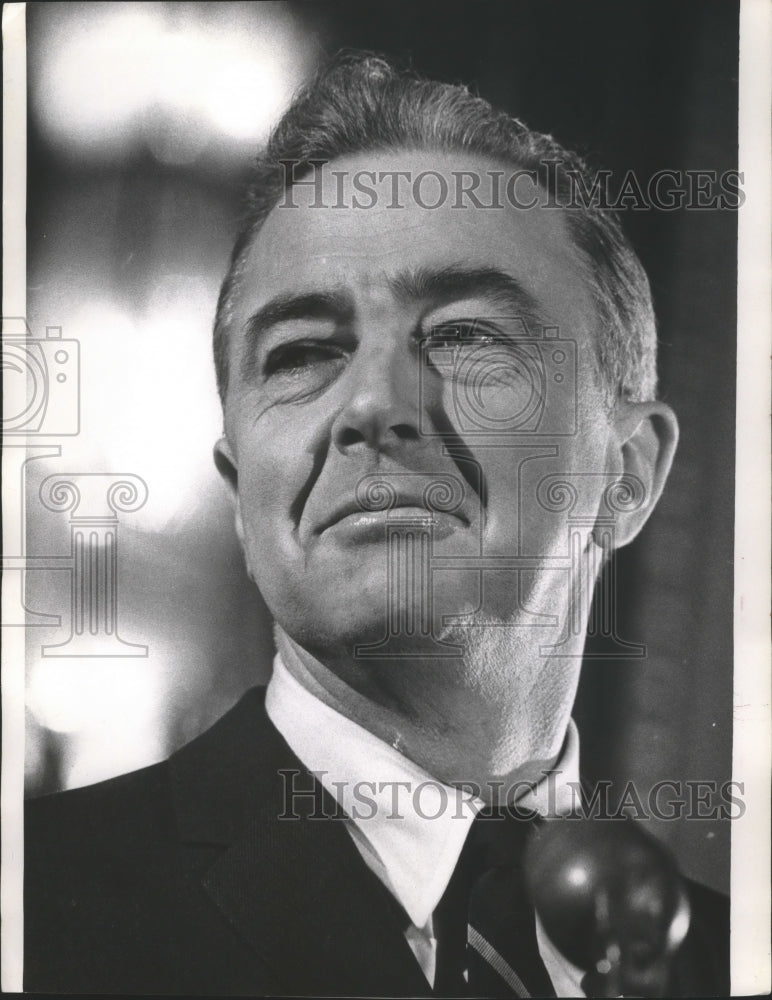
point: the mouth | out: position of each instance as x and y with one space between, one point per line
353 519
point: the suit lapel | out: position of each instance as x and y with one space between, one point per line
296 890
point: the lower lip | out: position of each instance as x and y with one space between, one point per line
371 525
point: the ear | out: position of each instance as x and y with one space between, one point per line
225 461
644 437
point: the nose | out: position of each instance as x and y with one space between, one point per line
382 408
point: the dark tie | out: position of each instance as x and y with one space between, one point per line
484 924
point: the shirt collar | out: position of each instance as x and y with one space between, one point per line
408 826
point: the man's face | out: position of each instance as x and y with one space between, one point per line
393 348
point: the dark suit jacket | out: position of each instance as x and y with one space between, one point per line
184 878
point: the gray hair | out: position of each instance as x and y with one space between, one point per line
360 103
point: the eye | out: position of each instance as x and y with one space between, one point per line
463 333
298 371
479 356
302 357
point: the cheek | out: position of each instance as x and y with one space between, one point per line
269 478
489 401
521 388
535 487
261 504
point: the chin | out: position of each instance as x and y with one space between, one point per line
342 644
334 628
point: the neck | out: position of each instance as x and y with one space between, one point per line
493 718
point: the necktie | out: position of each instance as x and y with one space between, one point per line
485 924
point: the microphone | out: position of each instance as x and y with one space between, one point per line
611 900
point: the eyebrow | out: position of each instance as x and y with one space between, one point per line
311 305
443 285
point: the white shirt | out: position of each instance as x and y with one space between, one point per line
408 827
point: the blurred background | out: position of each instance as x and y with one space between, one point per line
143 119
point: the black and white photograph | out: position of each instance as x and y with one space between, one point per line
386 453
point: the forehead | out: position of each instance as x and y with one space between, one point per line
365 220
